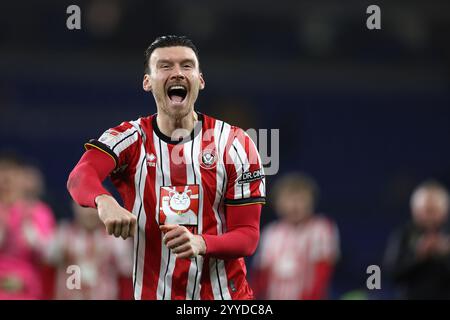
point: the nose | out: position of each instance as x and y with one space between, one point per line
177 73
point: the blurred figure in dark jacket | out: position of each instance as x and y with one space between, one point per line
418 255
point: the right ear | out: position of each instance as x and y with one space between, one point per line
146 84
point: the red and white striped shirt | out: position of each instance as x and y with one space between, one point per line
288 254
188 182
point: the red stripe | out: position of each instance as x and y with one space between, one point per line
126 189
209 184
237 283
178 177
124 126
152 258
206 292
209 180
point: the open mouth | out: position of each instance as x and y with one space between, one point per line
177 93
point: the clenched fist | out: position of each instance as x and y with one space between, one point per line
182 242
117 220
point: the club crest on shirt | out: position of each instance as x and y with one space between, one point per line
179 205
208 159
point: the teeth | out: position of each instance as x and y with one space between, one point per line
177 87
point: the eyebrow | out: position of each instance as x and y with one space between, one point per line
170 61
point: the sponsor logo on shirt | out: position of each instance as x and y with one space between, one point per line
179 205
251 176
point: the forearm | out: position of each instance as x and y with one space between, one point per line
238 243
242 236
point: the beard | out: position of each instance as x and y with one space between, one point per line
174 113
177 115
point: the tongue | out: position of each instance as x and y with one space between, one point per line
175 98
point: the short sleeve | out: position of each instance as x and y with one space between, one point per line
117 142
245 172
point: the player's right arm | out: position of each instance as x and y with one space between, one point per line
85 182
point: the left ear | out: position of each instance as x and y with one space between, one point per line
146 84
202 82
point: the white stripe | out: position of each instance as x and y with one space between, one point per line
158 183
192 280
219 284
244 157
198 179
125 143
221 177
241 191
194 277
138 270
167 263
111 141
218 206
262 186
198 175
223 139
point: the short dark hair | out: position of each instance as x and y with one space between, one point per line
167 41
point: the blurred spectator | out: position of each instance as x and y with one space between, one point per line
32 184
298 253
418 254
105 263
25 229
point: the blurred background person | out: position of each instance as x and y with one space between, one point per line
105 263
418 254
26 226
297 253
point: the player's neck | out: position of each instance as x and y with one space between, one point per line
176 128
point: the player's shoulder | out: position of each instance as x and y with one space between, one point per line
142 121
140 124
